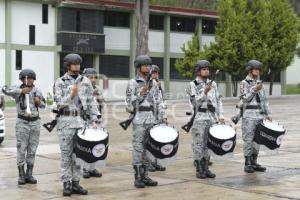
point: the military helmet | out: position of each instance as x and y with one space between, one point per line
155 68
72 58
142 60
253 64
201 64
29 73
89 72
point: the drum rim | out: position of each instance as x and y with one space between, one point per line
213 126
282 131
79 134
160 125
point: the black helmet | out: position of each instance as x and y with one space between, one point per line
253 64
142 60
72 58
201 64
29 73
155 68
89 72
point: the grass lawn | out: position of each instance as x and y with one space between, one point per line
293 90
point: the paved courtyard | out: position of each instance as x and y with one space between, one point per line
281 181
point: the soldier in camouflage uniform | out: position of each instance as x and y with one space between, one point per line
154 166
207 104
91 73
255 108
73 95
28 123
142 97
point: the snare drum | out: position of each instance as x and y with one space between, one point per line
91 147
269 134
221 139
162 144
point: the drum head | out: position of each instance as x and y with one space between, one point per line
91 134
272 125
222 131
163 133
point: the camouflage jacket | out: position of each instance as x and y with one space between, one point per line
98 96
198 99
84 100
15 92
250 97
152 99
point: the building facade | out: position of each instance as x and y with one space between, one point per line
37 34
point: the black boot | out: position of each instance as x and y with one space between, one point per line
200 172
28 177
78 189
255 165
146 179
158 167
248 165
138 180
67 191
95 173
151 167
86 173
209 174
21 180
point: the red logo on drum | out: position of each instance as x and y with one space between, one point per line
167 149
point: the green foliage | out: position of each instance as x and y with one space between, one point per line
264 30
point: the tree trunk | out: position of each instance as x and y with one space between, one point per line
142 28
272 77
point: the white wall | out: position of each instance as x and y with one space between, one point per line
117 38
177 40
28 13
293 71
156 41
43 65
2 67
2 21
206 40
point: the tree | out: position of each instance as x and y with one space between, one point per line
192 53
142 28
251 29
284 37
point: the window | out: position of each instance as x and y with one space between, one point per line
156 22
174 74
31 34
114 66
77 21
45 13
183 24
160 63
209 26
80 20
119 19
18 60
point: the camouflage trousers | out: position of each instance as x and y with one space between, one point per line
200 131
28 136
248 132
139 144
67 141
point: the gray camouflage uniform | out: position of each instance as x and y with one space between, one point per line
143 119
27 132
251 117
203 120
67 126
